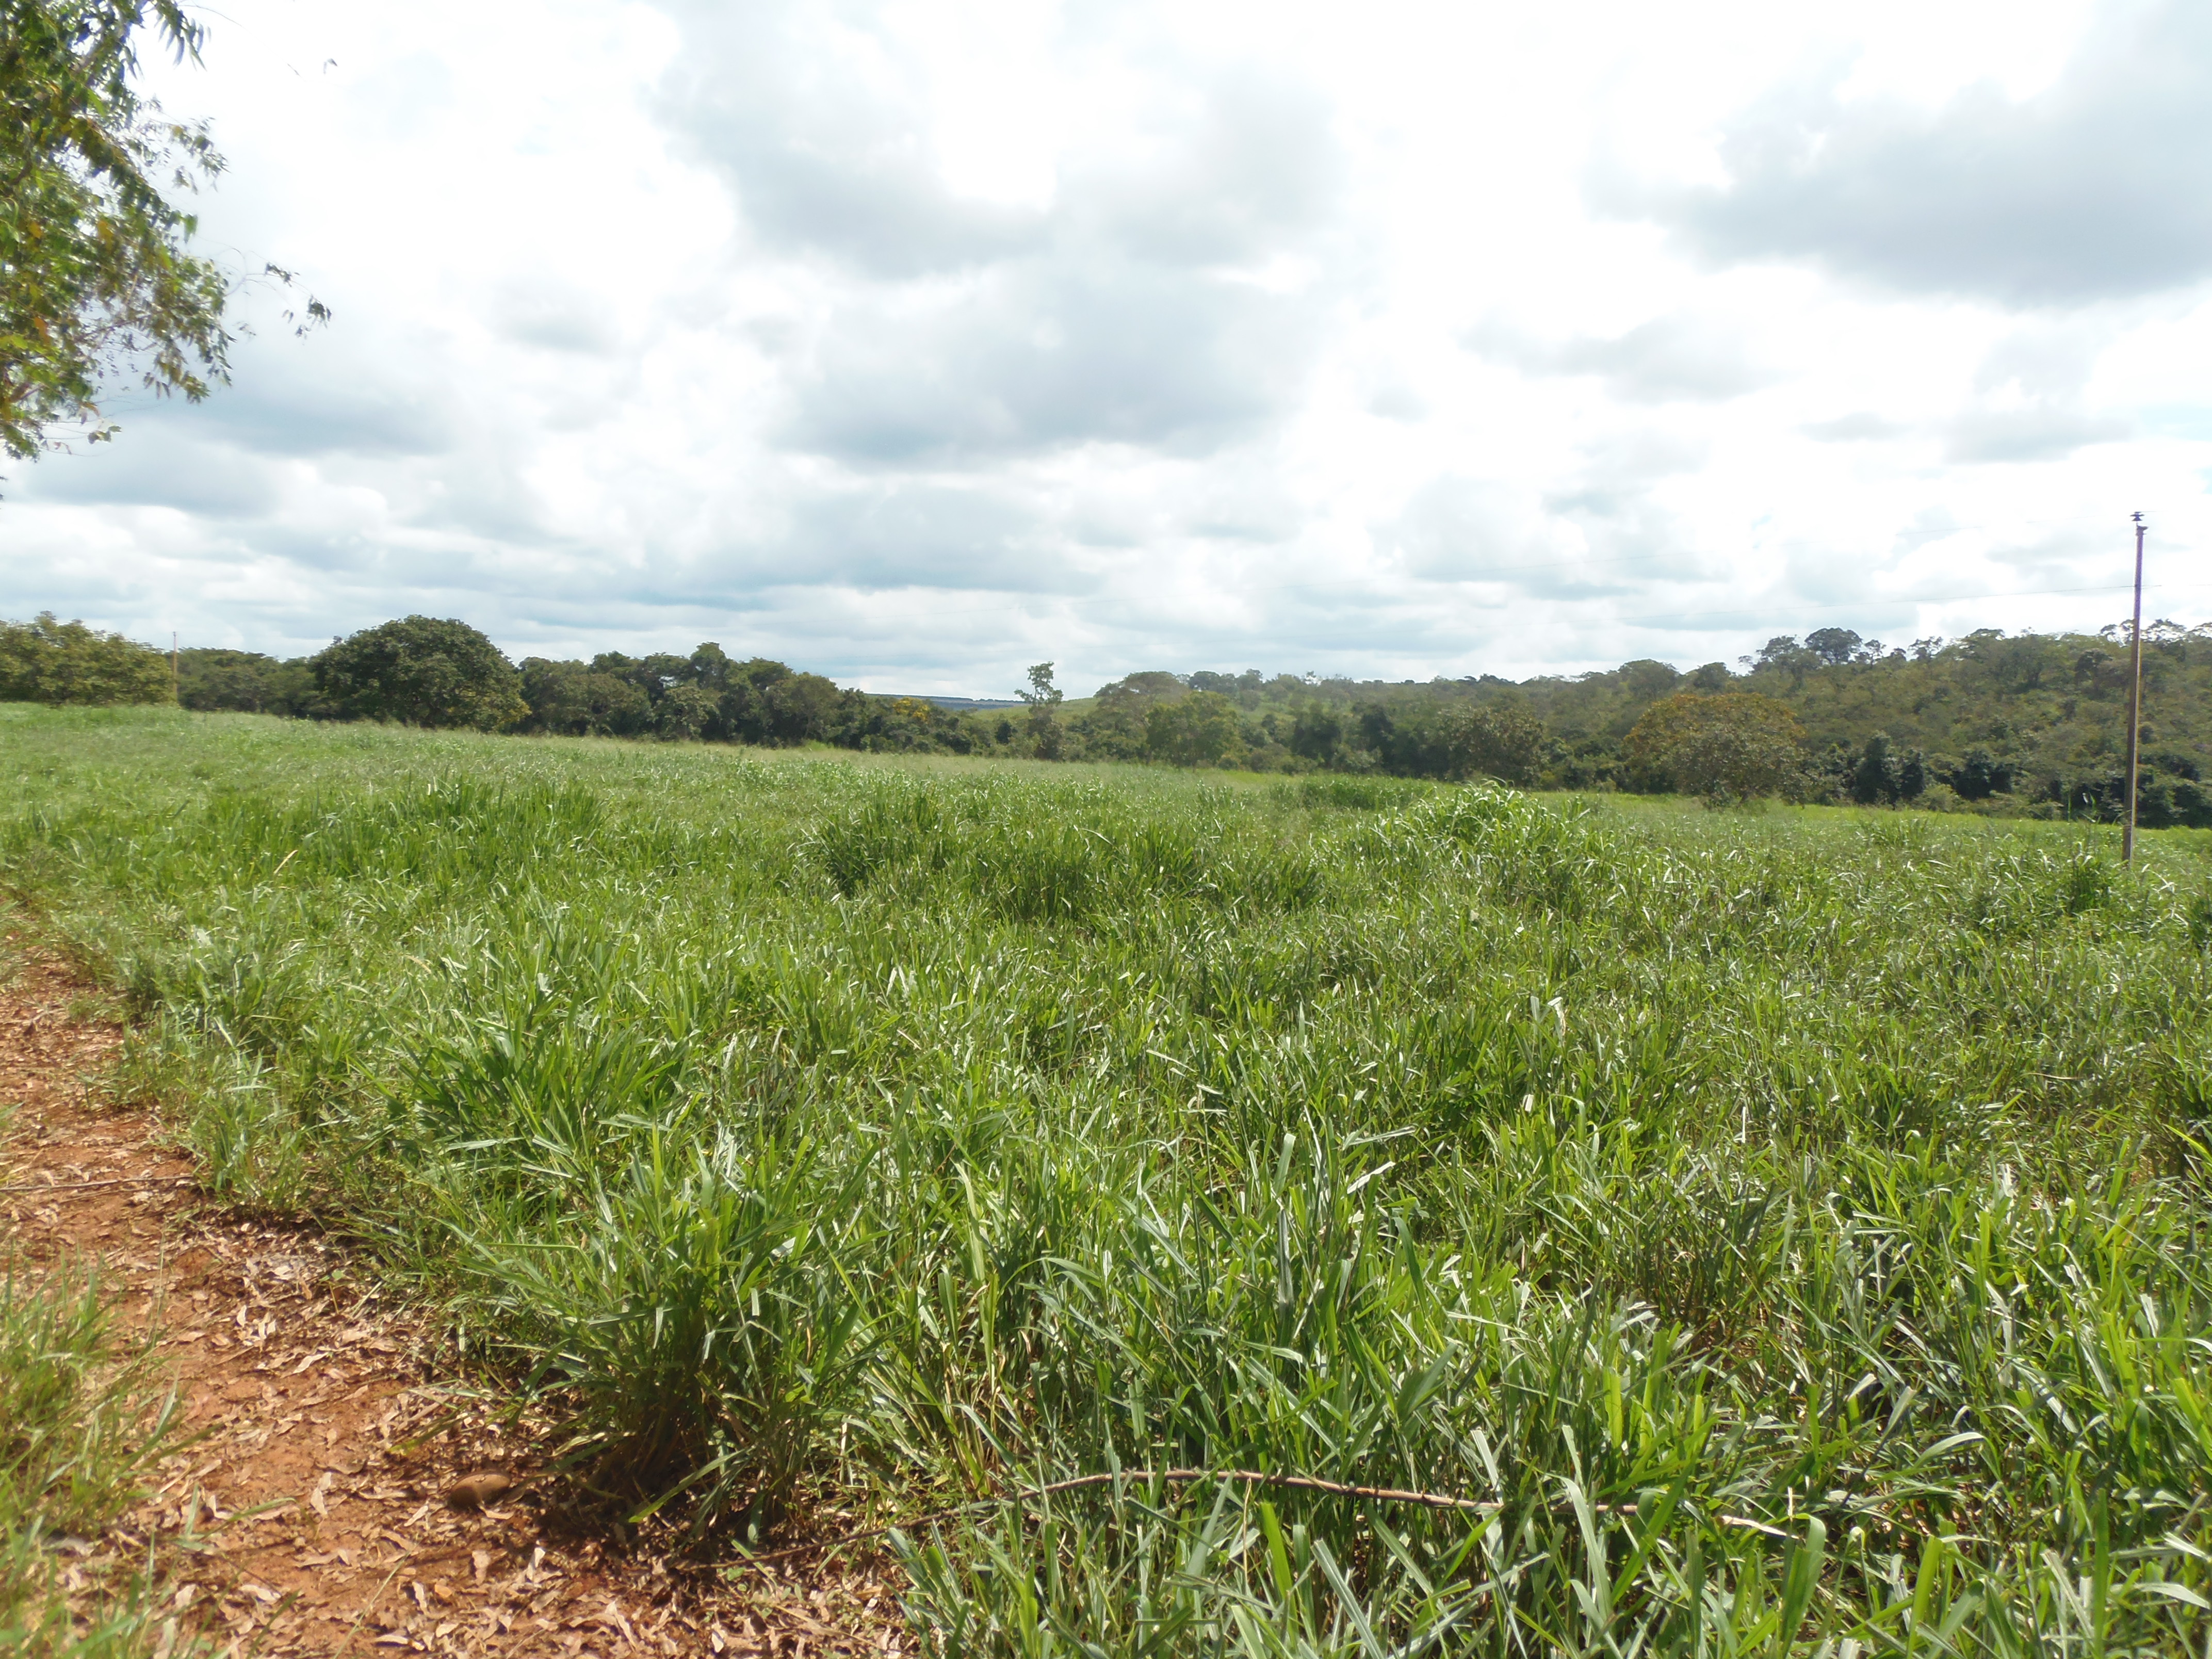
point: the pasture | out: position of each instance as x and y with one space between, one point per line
1786 1227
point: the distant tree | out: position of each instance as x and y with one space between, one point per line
2016 665
2096 670
772 704
1505 744
1783 654
1112 727
44 661
1315 731
1874 777
1912 776
1377 725
1646 680
708 696
2182 790
2037 716
688 711
1980 775
1264 736
1200 729
1877 774
568 699
421 670
1832 646
212 680
1046 737
1734 746
906 726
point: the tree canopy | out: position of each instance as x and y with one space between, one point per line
1725 746
706 696
1200 729
420 670
211 679
44 661
1506 744
96 277
1043 700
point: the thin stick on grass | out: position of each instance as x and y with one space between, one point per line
1433 1500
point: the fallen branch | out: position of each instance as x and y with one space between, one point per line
1433 1500
120 1180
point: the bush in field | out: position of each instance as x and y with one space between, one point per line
1736 747
420 670
44 661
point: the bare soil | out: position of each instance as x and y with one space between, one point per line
308 1514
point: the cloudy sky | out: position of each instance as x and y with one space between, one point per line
914 341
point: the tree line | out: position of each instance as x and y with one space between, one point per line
2024 723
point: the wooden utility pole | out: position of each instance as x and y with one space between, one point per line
2134 703
175 693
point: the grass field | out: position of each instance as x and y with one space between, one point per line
1790 1224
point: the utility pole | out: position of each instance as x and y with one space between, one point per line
176 694
2134 703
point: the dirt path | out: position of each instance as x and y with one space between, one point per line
310 1517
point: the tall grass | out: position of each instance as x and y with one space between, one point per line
1791 1226
81 1425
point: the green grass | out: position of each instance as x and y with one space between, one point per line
1791 1222
82 1422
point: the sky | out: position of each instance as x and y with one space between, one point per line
913 342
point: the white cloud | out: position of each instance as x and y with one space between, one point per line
916 340
2099 185
1669 359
